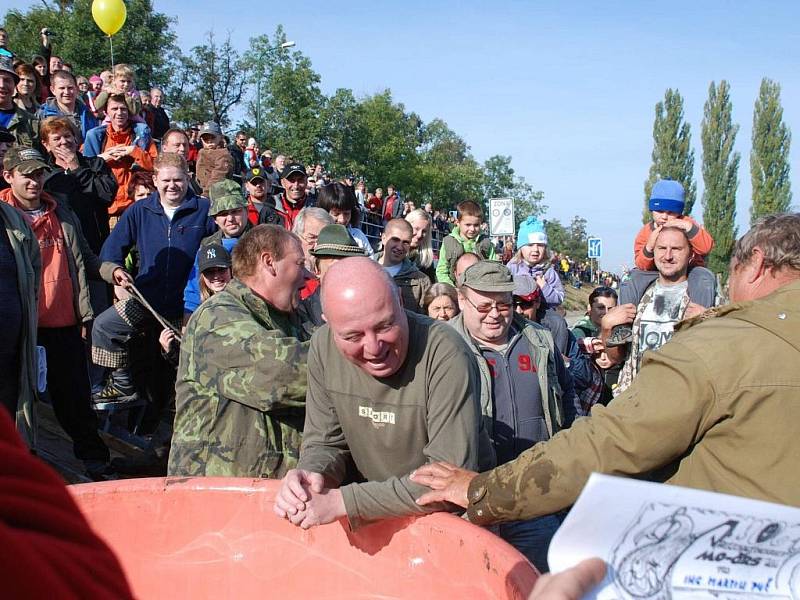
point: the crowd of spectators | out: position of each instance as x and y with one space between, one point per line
291 323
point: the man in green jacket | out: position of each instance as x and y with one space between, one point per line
240 394
388 391
715 408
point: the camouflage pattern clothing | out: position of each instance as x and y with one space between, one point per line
240 393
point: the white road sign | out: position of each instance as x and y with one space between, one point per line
501 216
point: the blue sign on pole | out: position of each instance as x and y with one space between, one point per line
595 247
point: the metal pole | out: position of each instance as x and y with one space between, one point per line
258 110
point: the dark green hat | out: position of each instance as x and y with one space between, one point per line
487 276
25 160
225 195
335 240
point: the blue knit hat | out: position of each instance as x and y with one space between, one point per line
531 231
667 195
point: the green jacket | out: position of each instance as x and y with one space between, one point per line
240 392
29 277
542 341
715 408
453 246
24 126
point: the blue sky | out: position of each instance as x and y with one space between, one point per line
568 89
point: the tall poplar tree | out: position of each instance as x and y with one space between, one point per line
769 156
720 168
673 157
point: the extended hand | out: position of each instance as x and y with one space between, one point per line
619 315
121 277
296 489
692 310
448 482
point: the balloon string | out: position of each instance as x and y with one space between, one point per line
111 41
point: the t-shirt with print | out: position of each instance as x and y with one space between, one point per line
660 315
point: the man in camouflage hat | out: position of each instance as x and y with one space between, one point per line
229 211
240 394
526 393
20 123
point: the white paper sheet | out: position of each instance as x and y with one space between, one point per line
663 541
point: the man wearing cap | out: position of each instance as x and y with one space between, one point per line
229 211
258 186
284 207
714 409
334 243
16 120
240 394
412 283
124 145
67 262
527 395
388 391
214 162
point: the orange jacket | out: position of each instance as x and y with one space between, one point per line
122 167
701 241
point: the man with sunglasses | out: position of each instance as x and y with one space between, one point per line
527 396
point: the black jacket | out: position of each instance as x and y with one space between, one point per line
88 190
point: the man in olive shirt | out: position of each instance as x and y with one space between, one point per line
390 390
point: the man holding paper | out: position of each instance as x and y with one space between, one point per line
715 408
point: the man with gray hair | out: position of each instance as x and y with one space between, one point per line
716 408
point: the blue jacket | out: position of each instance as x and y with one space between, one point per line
166 249
95 138
82 115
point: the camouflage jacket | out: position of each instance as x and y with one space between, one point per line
240 393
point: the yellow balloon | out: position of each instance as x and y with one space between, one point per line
109 15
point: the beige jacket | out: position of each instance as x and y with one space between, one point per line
716 408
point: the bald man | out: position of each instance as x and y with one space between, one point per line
388 391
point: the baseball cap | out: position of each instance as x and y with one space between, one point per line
335 240
526 288
255 173
225 195
487 276
24 160
211 127
7 65
213 255
294 167
6 136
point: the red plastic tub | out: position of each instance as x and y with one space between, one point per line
218 538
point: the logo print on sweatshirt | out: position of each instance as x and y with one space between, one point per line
378 417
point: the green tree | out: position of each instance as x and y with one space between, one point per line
673 157
146 41
446 173
720 180
769 156
501 181
288 104
210 83
571 241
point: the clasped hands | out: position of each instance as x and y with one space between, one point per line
304 500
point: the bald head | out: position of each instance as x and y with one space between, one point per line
464 262
362 307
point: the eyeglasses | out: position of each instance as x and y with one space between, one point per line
486 307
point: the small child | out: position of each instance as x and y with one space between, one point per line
214 161
123 82
465 237
533 259
666 207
